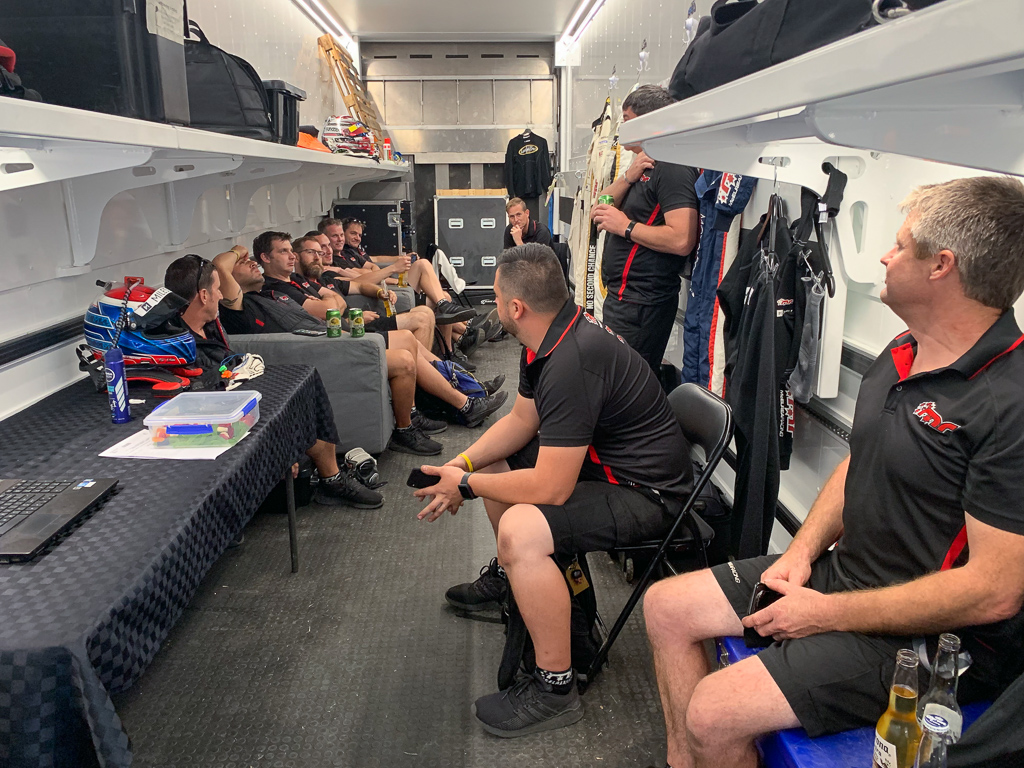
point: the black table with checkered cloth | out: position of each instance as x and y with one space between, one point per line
86 619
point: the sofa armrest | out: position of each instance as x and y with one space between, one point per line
354 372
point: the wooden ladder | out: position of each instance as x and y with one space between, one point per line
346 77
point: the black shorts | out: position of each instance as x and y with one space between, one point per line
646 328
383 324
835 681
599 516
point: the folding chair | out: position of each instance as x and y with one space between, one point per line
706 422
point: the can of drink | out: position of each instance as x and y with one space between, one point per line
333 323
355 321
117 386
605 200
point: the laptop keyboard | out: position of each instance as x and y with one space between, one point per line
28 496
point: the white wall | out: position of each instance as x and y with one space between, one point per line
35 246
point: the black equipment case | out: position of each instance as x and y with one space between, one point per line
470 229
387 224
122 57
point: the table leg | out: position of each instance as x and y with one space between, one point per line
289 494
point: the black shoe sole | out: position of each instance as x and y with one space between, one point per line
392 446
568 717
490 605
335 502
458 317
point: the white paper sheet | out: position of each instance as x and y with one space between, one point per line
139 446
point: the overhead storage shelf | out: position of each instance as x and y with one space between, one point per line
945 84
96 156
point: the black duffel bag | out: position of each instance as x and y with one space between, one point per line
225 94
745 36
10 83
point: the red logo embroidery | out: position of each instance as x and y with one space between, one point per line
928 415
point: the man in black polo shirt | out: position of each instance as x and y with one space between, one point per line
591 457
925 513
197 281
521 229
652 227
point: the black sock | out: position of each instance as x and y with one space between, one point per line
560 682
332 477
467 406
404 429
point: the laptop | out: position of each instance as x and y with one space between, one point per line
34 513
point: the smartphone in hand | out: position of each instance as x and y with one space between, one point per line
420 479
760 598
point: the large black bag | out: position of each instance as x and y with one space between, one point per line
224 92
745 36
518 654
10 83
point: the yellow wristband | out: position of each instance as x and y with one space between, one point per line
469 464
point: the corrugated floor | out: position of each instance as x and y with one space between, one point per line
357 660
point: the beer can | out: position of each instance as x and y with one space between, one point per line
117 386
334 323
355 321
605 200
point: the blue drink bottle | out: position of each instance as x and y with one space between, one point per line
117 386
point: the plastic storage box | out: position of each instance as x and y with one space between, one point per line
284 110
203 419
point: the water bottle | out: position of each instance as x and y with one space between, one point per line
940 698
932 752
117 386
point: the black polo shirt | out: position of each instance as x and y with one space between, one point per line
535 233
297 289
351 258
636 274
590 388
212 349
256 317
924 449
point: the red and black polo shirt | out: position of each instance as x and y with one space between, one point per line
926 448
634 273
590 388
297 289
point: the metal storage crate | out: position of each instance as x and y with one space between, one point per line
470 230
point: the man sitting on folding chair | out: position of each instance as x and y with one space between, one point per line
591 458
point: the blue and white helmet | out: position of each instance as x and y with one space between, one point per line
153 333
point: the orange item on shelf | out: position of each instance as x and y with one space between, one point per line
308 142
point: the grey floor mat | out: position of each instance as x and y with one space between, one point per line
357 660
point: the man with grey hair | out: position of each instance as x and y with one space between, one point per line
652 228
590 458
924 514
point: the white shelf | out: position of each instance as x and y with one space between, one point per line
945 83
96 156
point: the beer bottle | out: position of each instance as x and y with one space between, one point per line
932 752
941 696
389 308
401 279
897 733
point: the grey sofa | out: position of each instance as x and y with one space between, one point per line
406 300
354 372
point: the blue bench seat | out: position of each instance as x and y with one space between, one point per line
793 748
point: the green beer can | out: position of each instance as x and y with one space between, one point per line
333 323
356 324
605 200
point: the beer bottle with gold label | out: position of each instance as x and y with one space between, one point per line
897 733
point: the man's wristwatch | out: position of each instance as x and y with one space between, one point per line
628 234
464 489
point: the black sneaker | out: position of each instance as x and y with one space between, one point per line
448 313
529 706
460 359
471 340
344 489
486 593
493 385
427 425
413 441
482 407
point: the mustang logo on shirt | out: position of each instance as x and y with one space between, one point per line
928 415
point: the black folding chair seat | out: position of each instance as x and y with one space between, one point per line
706 422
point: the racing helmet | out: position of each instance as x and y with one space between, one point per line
144 322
